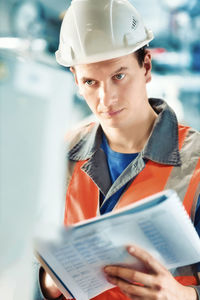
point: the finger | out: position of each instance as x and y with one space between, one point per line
131 296
130 275
147 259
131 289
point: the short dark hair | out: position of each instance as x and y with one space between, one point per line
140 55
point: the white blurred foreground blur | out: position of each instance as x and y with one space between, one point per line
35 106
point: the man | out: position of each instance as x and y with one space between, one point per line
134 150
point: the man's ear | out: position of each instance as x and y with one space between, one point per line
147 66
72 69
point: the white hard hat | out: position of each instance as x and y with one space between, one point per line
97 30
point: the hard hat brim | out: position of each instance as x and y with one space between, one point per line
104 56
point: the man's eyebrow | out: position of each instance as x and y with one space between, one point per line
121 69
83 79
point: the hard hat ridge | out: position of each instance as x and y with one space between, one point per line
94 30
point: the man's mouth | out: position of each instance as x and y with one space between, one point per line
112 113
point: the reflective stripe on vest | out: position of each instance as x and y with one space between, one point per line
82 200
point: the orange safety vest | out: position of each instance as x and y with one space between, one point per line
82 199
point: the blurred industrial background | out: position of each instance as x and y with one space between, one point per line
30 76
29 31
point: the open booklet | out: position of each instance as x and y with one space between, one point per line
158 224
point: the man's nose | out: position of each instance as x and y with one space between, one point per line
107 95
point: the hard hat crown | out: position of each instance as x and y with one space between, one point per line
94 30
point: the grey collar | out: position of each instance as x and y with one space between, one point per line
161 147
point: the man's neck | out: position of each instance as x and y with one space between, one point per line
133 139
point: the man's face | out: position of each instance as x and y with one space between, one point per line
115 90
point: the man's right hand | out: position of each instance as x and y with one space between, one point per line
48 287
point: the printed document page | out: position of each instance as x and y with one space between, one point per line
156 224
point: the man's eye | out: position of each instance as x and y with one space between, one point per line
119 76
90 82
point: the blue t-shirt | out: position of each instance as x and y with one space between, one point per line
117 163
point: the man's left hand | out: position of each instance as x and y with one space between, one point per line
156 283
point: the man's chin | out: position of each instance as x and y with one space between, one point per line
110 123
